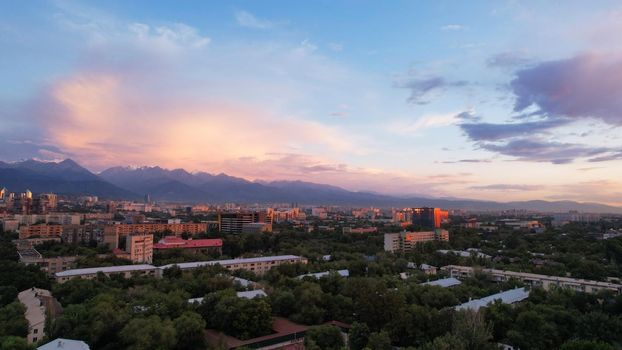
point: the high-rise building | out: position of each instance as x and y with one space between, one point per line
428 217
235 222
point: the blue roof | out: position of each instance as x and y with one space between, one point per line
64 344
445 282
508 297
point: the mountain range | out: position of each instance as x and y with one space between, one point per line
178 185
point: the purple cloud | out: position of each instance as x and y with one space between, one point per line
545 151
586 86
493 132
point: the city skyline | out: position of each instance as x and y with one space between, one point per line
487 100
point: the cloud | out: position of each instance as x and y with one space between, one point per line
422 88
306 167
409 127
544 151
177 34
155 93
493 132
607 157
558 93
508 59
247 19
453 27
467 161
506 187
585 86
15 150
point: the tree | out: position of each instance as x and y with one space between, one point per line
12 320
445 342
283 302
586 345
379 341
358 336
149 333
326 337
15 343
472 329
189 328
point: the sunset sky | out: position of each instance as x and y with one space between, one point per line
501 100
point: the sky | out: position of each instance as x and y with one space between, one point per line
496 100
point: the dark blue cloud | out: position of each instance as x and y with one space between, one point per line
494 132
545 151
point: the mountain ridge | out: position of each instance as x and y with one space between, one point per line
178 185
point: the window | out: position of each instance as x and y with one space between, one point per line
35 331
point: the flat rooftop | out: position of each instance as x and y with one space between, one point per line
105 269
445 282
508 297
192 265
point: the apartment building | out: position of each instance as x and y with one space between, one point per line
406 241
113 232
535 280
205 246
125 271
258 265
176 229
43 231
139 246
36 302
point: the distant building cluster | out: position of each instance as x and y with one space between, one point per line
26 203
423 218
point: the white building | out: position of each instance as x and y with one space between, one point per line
34 300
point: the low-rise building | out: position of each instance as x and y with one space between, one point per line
285 335
258 265
36 302
535 280
471 252
318 275
507 297
92 272
443 282
65 344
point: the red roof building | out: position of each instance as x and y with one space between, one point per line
195 245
